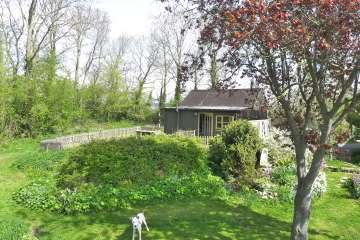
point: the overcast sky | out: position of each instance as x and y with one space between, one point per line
130 17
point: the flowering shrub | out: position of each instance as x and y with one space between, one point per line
356 185
280 147
320 185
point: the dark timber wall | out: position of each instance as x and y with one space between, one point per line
179 120
188 119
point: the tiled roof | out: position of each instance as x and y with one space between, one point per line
230 99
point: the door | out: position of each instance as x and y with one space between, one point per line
206 124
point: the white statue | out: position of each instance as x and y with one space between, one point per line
137 223
264 158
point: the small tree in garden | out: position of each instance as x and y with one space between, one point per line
307 53
233 154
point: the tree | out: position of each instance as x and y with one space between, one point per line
303 51
177 39
145 53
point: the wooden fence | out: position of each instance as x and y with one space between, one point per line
83 138
205 139
187 133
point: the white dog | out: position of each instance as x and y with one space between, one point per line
137 223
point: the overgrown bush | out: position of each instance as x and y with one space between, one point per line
37 195
217 153
132 161
280 148
284 175
114 174
233 154
90 197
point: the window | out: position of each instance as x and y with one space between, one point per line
222 121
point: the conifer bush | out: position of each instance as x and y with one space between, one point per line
233 154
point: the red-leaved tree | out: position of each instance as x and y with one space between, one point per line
307 53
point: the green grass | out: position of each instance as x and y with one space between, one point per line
335 216
340 164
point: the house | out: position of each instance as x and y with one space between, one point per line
208 112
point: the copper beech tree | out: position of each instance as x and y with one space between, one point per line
307 53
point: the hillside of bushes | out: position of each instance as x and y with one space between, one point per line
114 174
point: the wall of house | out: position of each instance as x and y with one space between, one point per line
188 120
170 120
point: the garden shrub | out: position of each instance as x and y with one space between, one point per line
107 175
284 175
217 153
133 161
355 185
234 152
280 148
90 197
38 195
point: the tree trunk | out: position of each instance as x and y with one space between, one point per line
177 96
214 70
30 39
302 205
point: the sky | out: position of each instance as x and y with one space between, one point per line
134 18
130 17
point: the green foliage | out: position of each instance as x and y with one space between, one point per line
241 215
285 193
217 153
114 174
280 148
234 152
43 103
37 195
132 161
353 118
92 198
13 229
40 161
284 175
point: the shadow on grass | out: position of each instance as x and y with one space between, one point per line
197 219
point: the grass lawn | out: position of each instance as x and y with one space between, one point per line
335 216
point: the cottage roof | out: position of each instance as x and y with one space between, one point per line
230 99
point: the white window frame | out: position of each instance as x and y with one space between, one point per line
221 117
